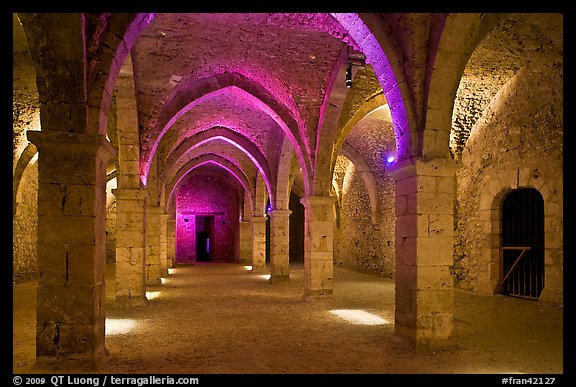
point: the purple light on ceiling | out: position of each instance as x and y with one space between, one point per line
238 178
366 42
213 94
238 146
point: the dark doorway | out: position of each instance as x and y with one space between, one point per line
296 247
523 244
204 237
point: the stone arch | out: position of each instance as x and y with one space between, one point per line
377 102
327 132
260 198
214 86
283 176
231 137
127 131
380 52
490 216
461 34
215 151
113 38
365 109
217 160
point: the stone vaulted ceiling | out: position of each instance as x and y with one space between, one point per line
259 80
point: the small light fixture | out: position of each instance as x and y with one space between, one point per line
349 76
390 159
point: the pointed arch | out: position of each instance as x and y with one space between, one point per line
211 87
231 137
217 160
380 53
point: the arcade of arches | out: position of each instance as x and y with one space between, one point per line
423 149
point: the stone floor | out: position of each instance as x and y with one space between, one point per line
221 319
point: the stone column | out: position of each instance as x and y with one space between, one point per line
130 246
171 242
259 244
246 242
425 195
318 245
153 214
163 245
279 245
71 248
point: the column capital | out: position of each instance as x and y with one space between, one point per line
417 166
68 142
318 200
280 213
130 193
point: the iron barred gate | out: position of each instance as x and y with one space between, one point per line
522 252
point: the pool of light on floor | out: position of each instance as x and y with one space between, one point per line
265 276
359 317
119 326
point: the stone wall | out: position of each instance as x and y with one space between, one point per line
25 116
111 233
25 222
359 244
517 142
205 195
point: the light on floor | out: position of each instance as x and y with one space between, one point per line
163 280
248 267
359 317
170 270
119 326
265 276
151 295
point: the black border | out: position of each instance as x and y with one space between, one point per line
318 6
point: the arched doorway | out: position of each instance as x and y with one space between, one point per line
522 251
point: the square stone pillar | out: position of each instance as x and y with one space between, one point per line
425 195
258 244
153 214
130 246
163 245
279 245
70 318
318 245
246 243
171 242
